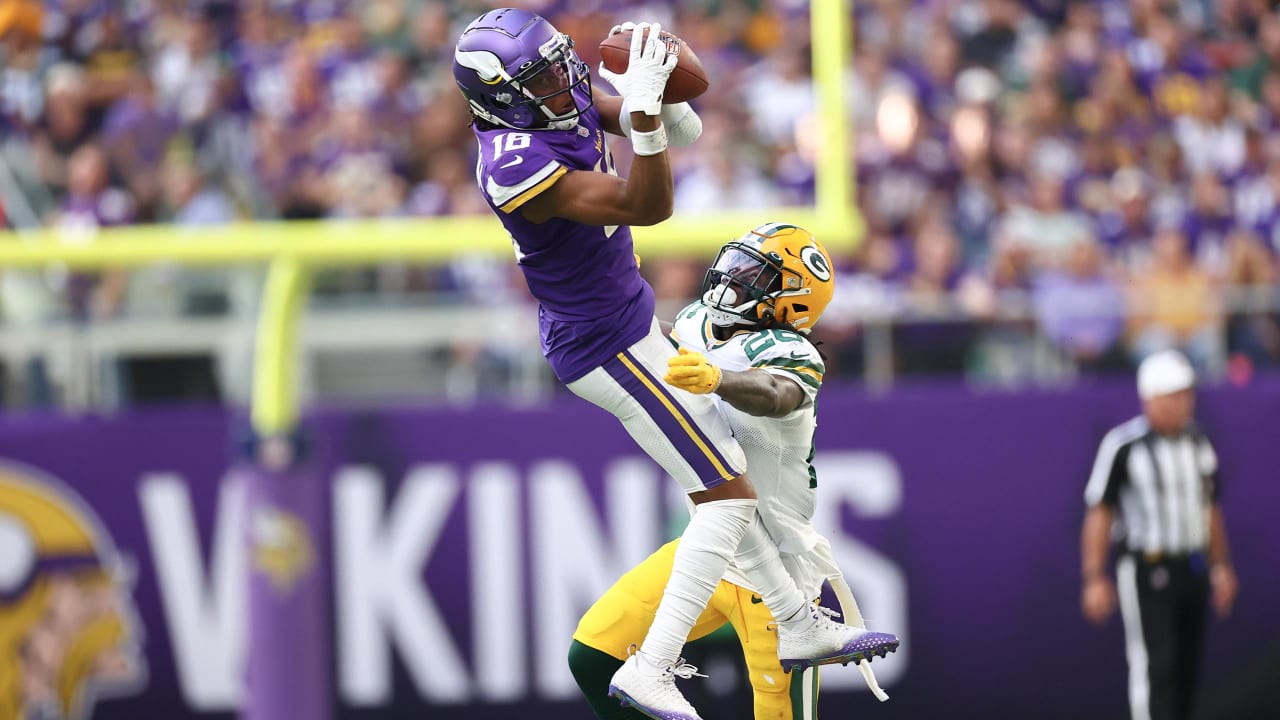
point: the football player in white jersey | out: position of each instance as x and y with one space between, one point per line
747 342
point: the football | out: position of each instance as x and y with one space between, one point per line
688 80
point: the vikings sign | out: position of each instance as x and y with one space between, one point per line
68 630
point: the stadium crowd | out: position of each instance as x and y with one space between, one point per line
1080 181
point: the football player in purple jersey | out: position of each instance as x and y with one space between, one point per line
546 171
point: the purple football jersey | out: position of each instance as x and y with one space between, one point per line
593 303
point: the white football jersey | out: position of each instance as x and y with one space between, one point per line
779 450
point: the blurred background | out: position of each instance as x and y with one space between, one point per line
1049 191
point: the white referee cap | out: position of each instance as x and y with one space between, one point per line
1163 373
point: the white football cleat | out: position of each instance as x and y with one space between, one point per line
820 640
653 692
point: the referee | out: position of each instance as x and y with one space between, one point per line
1156 479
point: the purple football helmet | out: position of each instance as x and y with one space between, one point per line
514 67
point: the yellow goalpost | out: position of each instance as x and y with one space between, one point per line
292 249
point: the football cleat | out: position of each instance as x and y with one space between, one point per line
823 641
654 694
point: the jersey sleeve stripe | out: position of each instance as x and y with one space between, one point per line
532 192
804 375
798 365
502 194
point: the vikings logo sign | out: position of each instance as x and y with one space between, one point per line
68 629
281 548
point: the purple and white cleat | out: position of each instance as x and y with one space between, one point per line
823 641
653 692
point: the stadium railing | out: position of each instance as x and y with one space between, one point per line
352 351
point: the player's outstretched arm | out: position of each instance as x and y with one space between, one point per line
596 198
759 393
753 392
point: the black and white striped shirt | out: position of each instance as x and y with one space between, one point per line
1163 486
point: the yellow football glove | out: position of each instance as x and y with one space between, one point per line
637 259
692 371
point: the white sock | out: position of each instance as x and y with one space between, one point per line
701 559
757 557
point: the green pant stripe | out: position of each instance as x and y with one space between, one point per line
798 692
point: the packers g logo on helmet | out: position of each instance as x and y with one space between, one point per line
774 273
68 629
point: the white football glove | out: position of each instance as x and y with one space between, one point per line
682 123
642 85
619 82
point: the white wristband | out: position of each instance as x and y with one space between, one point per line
649 143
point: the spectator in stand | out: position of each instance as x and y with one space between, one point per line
1082 41
65 127
92 203
936 344
136 134
189 199
934 75
1269 110
111 64
360 171
1268 223
187 71
350 66
1210 139
901 167
1263 59
720 178
1044 225
285 172
1125 227
1169 68
1253 332
1080 308
993 42
782 79
1175 305
1089 187
1249 190
1208 222
446 189
21 92
870 82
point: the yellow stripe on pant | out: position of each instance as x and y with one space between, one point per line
684 423
622 616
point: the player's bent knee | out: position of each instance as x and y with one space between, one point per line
592 670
